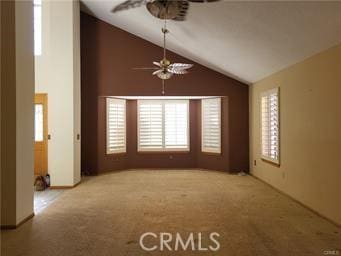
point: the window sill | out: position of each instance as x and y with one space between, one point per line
116 153
211 153
277 164
164 152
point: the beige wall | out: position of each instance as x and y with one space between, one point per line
76 91
17 94
58 75
310 127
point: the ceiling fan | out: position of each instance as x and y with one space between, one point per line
162 9
165 69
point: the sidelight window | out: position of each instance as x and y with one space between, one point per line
211 125
116 126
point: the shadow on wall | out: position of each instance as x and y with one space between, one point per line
107 57
89 106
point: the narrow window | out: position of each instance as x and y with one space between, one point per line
38 123
37 27
116 126
211 125
163 125
270 125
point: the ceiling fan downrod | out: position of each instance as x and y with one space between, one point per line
164 31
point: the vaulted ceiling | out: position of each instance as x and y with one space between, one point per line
245 40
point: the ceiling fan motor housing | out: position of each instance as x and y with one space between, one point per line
164 63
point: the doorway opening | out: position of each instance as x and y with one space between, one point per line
43 195
40 135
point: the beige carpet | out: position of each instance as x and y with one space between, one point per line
106 215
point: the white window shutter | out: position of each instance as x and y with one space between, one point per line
176 125
163 125
270 125
116 126
211 125
150 125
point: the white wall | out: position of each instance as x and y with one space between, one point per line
310 125
24 108
57 74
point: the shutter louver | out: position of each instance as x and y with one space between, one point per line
270 125
116 126
211 125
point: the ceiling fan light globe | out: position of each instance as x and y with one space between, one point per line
164 75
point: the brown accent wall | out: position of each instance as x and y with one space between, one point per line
108 55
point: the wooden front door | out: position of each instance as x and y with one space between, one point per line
40 134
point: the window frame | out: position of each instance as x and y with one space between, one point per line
210 150
266 158
163 149
120 151
38 34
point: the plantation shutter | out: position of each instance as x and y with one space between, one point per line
211 125
163 125
176 124
150 120
116 126
270 125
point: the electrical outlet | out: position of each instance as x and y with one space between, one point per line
255 162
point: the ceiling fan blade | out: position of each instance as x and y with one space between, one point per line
202 1
182 8
156 63
180 66
178 71
157 72
128 5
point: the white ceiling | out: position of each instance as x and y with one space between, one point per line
244 40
